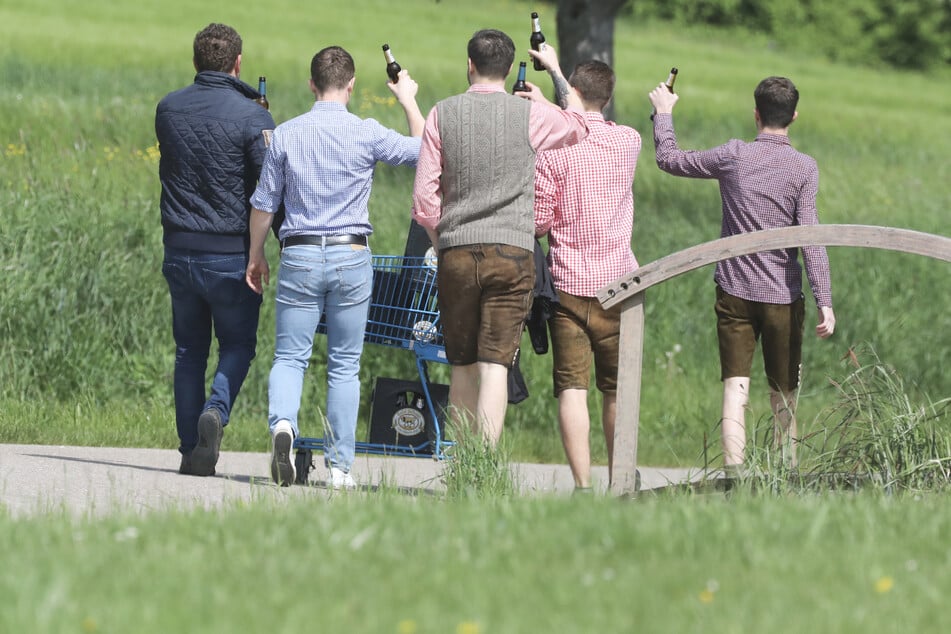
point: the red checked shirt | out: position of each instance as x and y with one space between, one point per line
584 202
765 184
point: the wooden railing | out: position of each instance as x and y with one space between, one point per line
629 292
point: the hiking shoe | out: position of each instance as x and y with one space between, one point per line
204 456
340 479
283 470
186 467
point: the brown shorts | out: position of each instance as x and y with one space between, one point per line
741 323
485 293
580 329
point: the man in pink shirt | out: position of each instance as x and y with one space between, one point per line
474 194
585 203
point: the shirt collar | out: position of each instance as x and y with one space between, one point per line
328 106
219 79
594 117
778 139
486 88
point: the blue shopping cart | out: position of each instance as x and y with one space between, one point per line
406 416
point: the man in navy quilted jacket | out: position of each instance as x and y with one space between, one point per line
211 136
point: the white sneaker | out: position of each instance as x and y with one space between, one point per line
340 479
283 470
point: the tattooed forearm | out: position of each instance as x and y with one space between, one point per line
561 90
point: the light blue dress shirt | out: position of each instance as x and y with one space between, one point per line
320 164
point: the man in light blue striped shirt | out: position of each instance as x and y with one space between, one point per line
320 166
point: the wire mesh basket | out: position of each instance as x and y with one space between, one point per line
403 307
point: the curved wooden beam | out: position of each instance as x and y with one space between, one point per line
905 240
630 290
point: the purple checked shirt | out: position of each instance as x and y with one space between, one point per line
765 184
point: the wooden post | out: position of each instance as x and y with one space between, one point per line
630 364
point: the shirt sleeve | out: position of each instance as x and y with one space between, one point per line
545 195
815 259
257 146
269 193
690 163
394 148
550 127
427 190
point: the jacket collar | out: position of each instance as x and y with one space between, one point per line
218 79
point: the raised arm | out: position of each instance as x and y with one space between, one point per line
564 95
405 91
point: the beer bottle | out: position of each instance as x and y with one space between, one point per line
671 78
536 39
262 88
519 85
392 67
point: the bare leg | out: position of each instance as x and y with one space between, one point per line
493 400
785 434
575 426
736 394
464 395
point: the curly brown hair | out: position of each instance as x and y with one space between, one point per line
217 47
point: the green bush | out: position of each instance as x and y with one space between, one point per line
912 34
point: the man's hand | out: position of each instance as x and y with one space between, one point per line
826 325
547 56
257 272
565 96
405 89
534 93
663 100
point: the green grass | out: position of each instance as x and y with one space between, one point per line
390 564
87 357
84 314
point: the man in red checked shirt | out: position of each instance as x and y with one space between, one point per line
585 203
765 184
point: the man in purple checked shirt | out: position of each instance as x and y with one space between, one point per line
765 184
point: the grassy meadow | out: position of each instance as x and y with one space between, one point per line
87 356
396 565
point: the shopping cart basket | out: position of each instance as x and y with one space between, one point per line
407 416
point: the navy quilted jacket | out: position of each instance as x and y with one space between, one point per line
212 146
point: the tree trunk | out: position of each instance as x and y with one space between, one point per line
586 32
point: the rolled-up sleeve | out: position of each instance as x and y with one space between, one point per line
427 190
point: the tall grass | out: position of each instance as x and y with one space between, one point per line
84 314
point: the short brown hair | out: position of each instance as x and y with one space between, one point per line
776 99
331 68
492 53
594 81
216 47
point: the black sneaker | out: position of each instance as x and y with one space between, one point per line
204 456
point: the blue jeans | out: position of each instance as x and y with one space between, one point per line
208 290
335 281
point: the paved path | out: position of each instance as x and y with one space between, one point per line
94 481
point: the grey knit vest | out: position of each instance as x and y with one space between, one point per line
488 177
